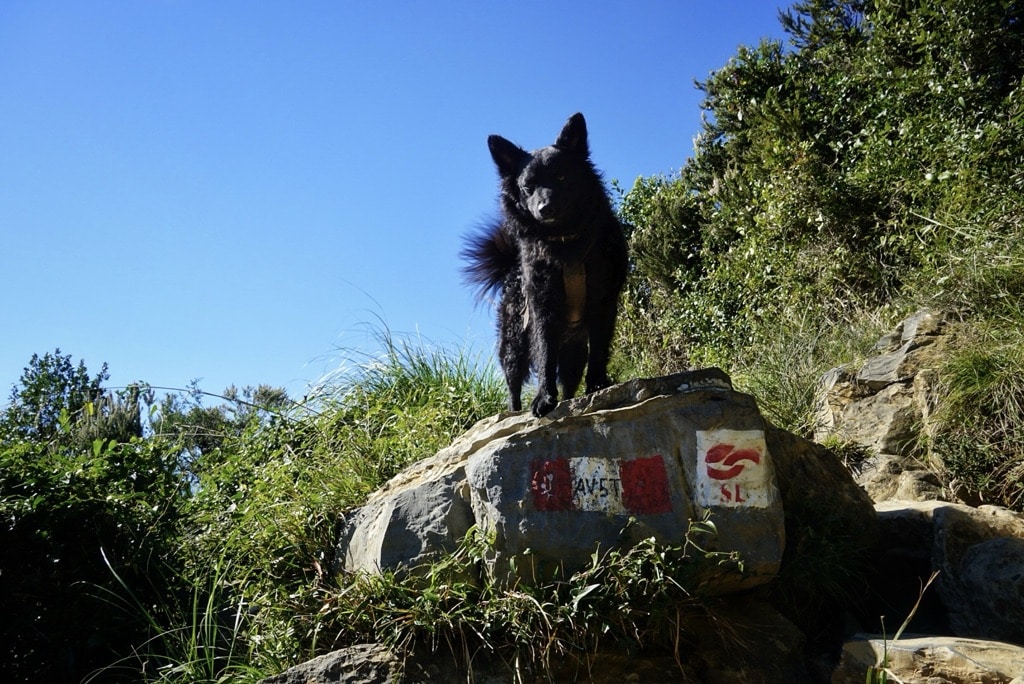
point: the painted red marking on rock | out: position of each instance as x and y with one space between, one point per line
724 461
551 484
568 484
645 486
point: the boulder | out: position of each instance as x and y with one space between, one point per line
756 645
978 553
818 493
637 460
605 474
930 660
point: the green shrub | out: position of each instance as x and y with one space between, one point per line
69 517
835 187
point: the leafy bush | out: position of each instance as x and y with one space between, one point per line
828 194
199 550
69 517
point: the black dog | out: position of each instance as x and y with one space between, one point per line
559 258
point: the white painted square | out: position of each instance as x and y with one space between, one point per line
596 485
733 469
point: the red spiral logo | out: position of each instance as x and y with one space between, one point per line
725 461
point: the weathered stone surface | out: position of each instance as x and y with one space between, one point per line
979 554
816 487
360 664
994 570
886 406
932 660
897 478
884 422
983 599
421 512
605 478
758 646
894 362
603 471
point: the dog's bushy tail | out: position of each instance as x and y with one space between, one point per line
491 255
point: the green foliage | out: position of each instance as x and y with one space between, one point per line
63 511
829 186
198 637
981 423
51 390
202 430
644 598
266 501
198 551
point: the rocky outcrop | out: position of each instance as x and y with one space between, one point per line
978 554
885 405
643 458
970 623
638 460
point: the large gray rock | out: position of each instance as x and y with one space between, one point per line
638 460
601 472
979 555
608 475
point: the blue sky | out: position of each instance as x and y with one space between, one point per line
239 192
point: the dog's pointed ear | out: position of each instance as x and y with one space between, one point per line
507 155
573 137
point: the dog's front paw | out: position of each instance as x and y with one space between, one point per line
599 384
543 404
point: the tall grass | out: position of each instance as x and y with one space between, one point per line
201 639
382 412
975 272
259 531
784 371
980 433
